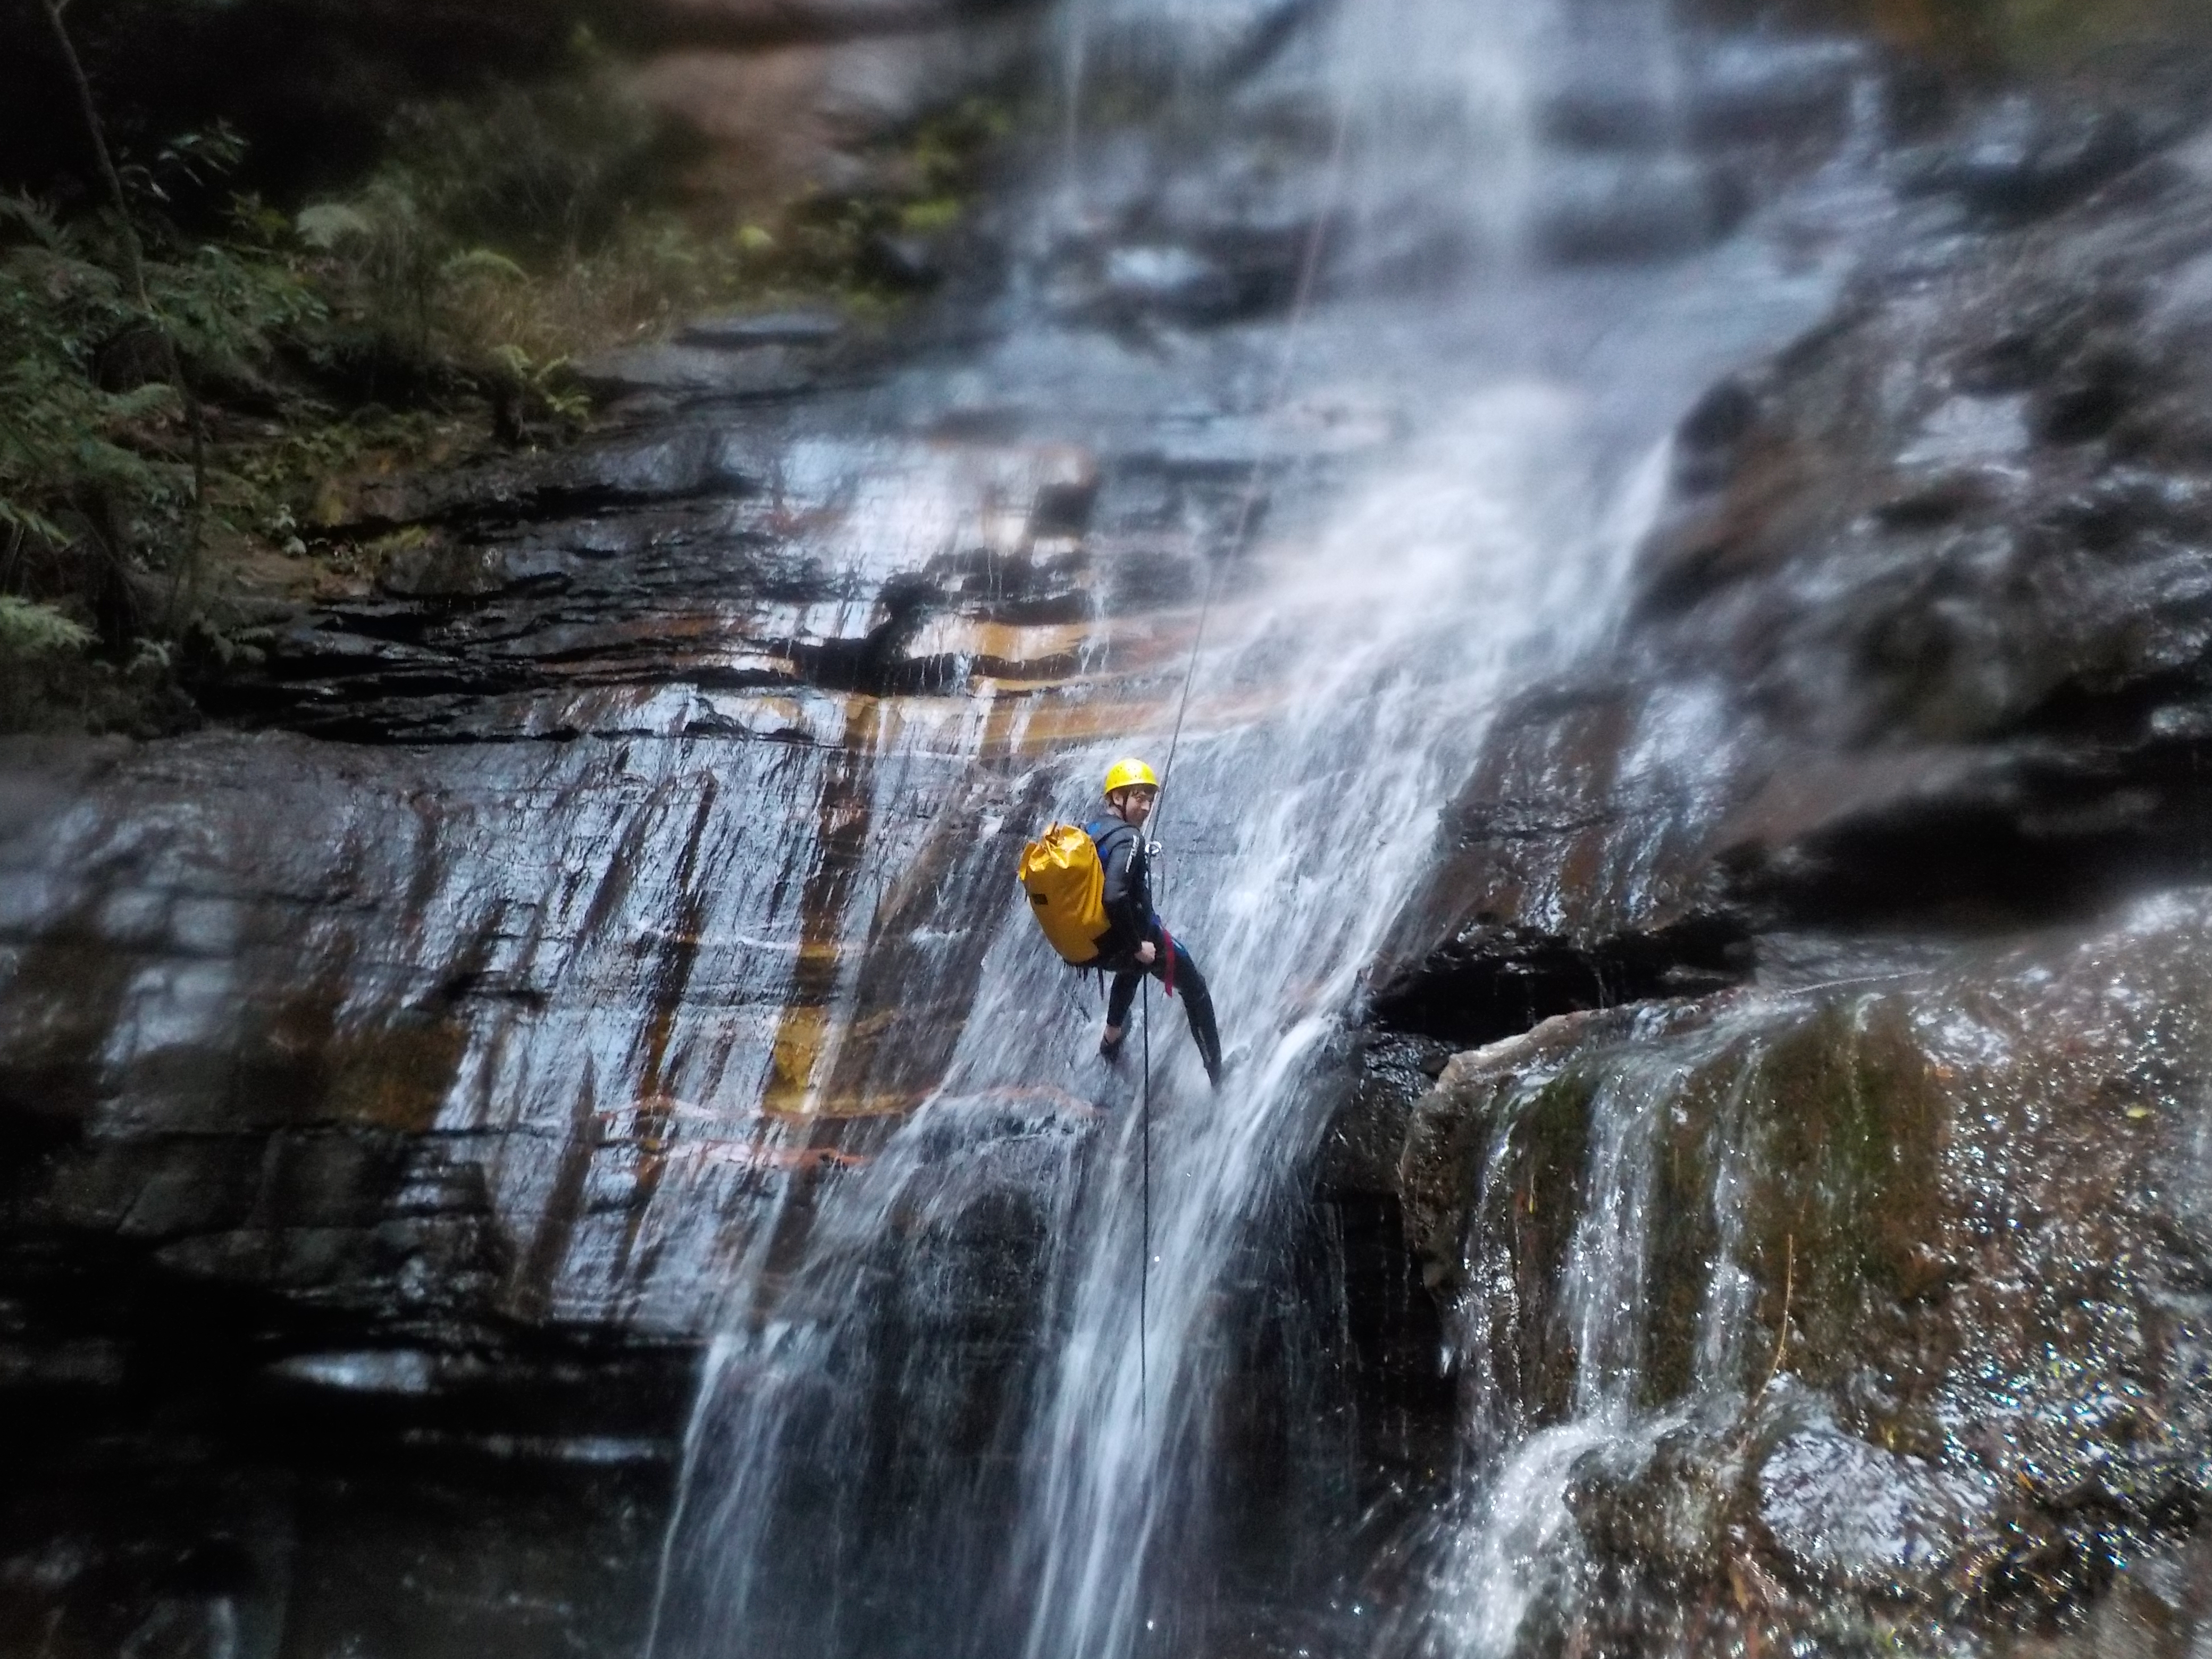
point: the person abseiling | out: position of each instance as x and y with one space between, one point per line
1135 943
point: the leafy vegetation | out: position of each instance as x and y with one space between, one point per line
190 387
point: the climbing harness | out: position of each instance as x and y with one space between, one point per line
1301 300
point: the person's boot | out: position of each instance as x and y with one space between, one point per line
1208 1035
1109 1046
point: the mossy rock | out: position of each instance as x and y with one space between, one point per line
1955 1219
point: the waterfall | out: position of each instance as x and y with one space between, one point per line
933 1425
1304 828
1508 1538
1296 828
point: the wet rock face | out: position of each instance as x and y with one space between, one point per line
1877 1282
655 760
399 1077
1992 476
1922 632
1922 1286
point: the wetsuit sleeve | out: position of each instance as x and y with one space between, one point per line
1128 893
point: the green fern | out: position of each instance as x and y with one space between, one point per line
28 628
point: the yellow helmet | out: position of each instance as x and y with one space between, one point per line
1129 774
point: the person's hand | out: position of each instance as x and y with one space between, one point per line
1145 953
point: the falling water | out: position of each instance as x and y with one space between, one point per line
1510 1535
934 1425
1304 827
1294 828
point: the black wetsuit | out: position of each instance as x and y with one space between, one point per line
1131 923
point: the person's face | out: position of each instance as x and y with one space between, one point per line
1134 804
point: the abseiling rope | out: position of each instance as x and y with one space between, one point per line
1144 1268
1301 301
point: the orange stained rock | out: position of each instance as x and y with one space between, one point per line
798 1042
869 1104
1916 24
877 1105
397 1077
843 818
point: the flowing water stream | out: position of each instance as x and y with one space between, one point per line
971 1401
1507 1536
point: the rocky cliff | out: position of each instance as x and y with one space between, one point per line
409 1091
399 1076
1846 1197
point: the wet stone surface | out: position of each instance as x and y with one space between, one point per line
401 1077
1922 1289
1859 886
1919 638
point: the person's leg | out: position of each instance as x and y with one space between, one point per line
1198 1009
1124 992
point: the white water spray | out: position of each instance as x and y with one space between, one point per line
868 1476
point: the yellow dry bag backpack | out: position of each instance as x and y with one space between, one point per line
1067 886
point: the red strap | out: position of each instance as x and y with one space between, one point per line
1167 971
